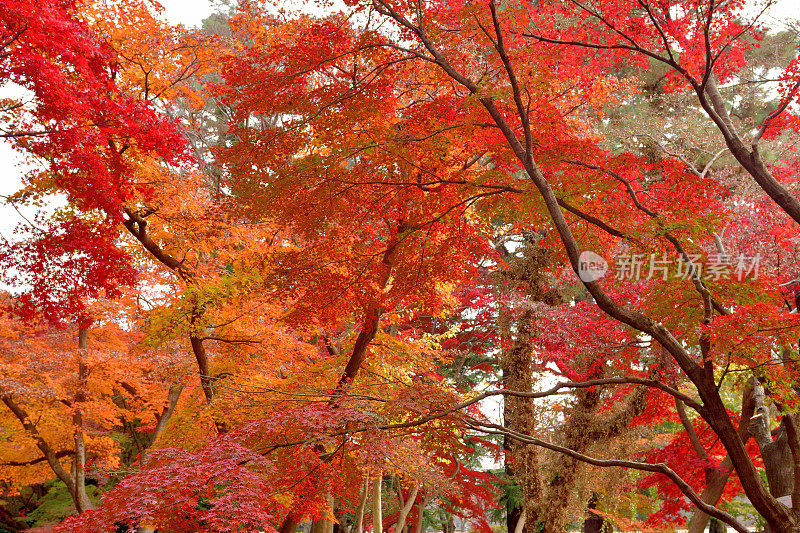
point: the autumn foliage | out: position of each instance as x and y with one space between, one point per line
329 268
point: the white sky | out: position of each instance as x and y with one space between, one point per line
192 12
186 12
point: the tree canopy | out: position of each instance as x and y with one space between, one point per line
384 264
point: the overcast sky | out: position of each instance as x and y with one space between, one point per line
192 12
186 12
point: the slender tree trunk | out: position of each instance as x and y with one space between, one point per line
716 479
372 316
369 328
44 447
405 509
362 505
137 226
173 396
377 511
82 501
420 525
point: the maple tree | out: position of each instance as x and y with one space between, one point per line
75 120
66 391
354 174
487 51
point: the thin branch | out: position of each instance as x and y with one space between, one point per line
512 78
687 425
787 100
657 468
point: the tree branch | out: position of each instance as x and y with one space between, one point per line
658 468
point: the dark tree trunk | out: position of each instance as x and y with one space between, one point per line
715 526
776 453
513 511
595 523
513 514
778 464
449 526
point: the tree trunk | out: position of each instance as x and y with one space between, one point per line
514 515
173 396
362 505
369 328
377 511
518 414
82 501
323 525
519 527
327 525
595 523
342 525
420 525
403 513
450 525
137 226
318 526
716 479
776 453
289 524
778 464
44 447
715 526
